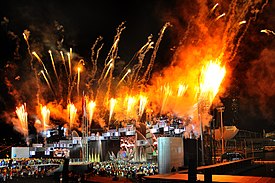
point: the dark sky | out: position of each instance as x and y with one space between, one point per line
83 21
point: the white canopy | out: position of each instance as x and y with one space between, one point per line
229 132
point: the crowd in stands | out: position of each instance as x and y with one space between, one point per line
26 167
128 170
39 168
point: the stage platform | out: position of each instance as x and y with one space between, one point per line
179 177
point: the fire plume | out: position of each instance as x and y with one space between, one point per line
210 79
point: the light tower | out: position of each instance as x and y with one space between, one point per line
85 127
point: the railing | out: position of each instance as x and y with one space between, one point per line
221 168
264 162
76 160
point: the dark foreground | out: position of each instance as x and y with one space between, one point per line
171 178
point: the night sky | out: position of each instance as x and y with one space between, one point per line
83 21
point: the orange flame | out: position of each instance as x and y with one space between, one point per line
167 92
131 102
210 80
142 104
182 89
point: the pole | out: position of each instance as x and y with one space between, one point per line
221 109
84 131
201 130
211 143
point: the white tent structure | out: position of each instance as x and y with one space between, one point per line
229 132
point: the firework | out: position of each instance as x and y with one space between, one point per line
112 107
220 16
268 32
212 42
143 100
78 80
146 76
242 22
45 113
167 92
128 71
63 61
131 102
23 118
47 81
53 64
69 55
71 110
91 110
211 77
181 90
214 7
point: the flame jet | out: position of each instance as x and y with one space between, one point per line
71 110
143 100
210 80
91 109
112 104
22 115
45 113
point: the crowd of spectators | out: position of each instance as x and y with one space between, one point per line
39 168
27 167
130 170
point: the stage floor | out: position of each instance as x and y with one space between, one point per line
178 177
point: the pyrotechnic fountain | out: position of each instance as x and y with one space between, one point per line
45 113
23 119
71 110
209 82
112 107
91 110
143 100
186 88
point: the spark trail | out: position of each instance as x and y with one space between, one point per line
26 35
146 76
268 32
53 64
